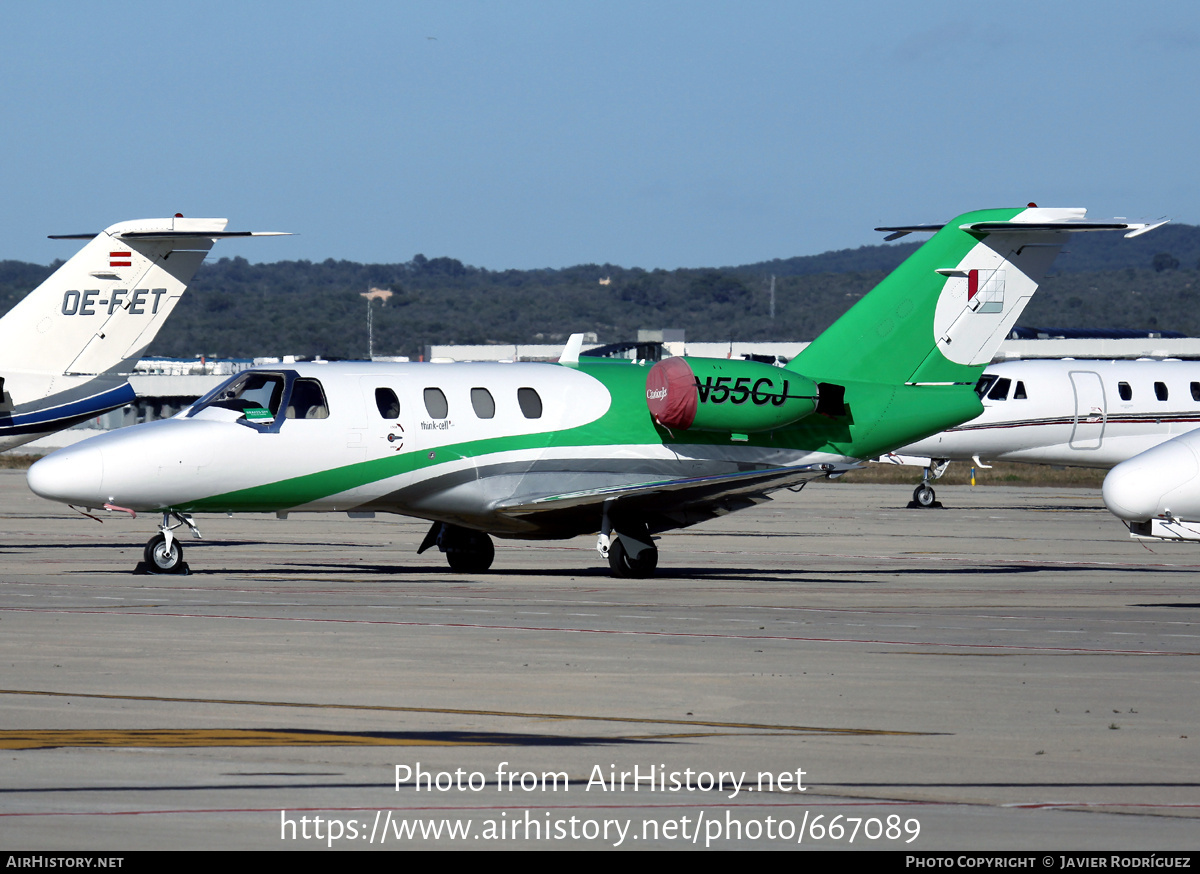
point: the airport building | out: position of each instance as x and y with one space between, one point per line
164 386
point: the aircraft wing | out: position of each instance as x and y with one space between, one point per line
667 504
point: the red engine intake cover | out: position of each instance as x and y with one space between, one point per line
671 393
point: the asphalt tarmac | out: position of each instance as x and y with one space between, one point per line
829 671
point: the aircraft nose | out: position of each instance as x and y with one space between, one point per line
1142 487
73 476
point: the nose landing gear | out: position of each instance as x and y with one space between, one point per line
924 496
164 553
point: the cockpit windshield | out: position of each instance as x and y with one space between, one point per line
985 382
255 395
264 400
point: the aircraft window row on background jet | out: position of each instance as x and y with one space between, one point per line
628 450
996 388
66 347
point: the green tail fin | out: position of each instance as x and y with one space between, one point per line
940 316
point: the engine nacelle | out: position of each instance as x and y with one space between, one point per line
715 394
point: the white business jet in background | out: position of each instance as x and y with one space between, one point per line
1079 413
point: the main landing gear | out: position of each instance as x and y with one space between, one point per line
467 551
164 553
630 550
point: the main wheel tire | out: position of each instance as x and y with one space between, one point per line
630 568
159 558
470 552
924 495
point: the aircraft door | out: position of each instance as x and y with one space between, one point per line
326 416
390 431
1091 412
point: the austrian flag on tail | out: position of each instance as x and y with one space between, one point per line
120 259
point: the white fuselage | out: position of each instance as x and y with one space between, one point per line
1083 413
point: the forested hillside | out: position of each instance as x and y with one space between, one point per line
240 309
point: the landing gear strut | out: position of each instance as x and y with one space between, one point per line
164 553
467 551
630 551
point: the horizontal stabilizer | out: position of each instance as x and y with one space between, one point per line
175 228
904 230
1134 228
175 235
1053 220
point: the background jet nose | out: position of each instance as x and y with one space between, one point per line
73 475
1143 487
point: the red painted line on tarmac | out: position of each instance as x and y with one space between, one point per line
678 634
731 805
1058 805
464 811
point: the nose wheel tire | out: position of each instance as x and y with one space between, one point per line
924 495
160 558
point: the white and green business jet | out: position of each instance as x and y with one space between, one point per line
584 446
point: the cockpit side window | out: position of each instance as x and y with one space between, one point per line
999 391
387 403
1019 392
985 382
307 400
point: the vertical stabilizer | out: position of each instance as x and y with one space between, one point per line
100 310
940 316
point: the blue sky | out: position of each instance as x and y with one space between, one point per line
529 133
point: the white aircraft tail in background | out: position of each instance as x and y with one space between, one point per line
64 347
